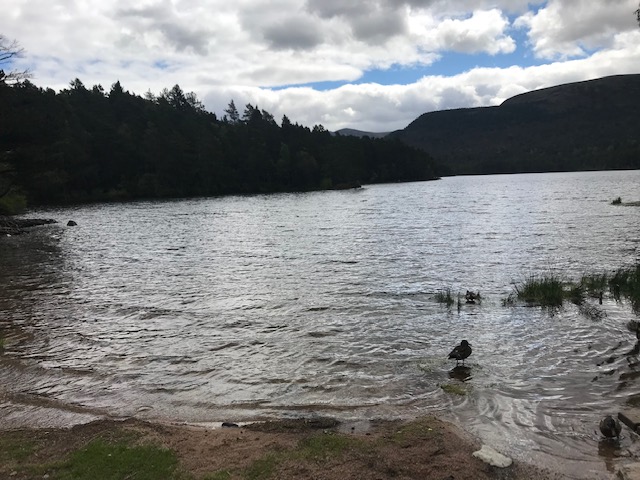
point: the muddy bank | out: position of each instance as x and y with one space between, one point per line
18 226
292 449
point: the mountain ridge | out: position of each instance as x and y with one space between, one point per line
588 125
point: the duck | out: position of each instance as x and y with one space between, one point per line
461 352
610 427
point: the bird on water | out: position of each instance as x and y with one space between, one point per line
610 427
461 352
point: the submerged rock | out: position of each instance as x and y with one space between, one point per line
492 457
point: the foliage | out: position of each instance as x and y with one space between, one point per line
12 203
82 145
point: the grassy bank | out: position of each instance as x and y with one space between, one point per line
285 450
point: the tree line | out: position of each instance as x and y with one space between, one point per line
87 144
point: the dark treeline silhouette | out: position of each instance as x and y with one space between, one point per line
82 145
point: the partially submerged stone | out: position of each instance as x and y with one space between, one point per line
492 457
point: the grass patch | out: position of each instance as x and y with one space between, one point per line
101 460
320 447
547 291
414 432
317 448
626 283
444 296
623 283
13 452
264 467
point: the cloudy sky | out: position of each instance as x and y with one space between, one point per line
373 65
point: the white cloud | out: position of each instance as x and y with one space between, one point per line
246 48
483 31
564 29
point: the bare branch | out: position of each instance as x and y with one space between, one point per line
9 51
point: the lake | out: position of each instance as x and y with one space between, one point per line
267 306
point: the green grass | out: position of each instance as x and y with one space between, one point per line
626 283
623 283
444 296
547 291
322 446
317 448
15 452
264 467
414 432
101 460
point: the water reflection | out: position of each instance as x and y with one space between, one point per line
461 373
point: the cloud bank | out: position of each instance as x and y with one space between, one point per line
277 53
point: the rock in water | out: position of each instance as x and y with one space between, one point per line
610 427
492 457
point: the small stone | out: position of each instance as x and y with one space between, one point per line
492 457
71 223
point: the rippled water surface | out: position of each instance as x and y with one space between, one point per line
252 307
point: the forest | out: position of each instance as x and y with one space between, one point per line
87 145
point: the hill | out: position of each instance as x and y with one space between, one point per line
359 133
589 125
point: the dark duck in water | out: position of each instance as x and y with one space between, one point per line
461 352
610 427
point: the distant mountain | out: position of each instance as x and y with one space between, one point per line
359 133
591 125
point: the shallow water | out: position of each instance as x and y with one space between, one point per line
252 307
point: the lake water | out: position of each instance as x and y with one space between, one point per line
253 307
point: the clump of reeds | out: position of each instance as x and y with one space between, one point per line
617 201
626 283
547 291
444 296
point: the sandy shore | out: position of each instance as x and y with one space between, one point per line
426 448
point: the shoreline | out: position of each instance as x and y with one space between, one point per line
322 447
17 226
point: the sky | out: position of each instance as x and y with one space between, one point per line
371 65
